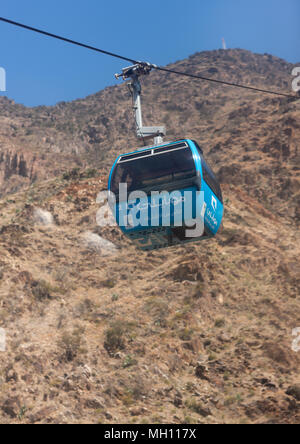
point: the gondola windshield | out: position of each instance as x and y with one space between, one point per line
211 179
155 171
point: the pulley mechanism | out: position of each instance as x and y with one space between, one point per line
134 72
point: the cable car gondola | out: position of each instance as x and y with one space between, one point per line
166 194
153 177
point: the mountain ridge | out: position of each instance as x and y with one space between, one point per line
91 132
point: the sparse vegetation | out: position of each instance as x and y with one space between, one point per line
71 344
129 361
72 174
41 290
115 337
220 322
198 408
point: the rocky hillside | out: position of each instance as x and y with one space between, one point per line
252 138
98 332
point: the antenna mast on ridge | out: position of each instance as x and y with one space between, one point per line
134 72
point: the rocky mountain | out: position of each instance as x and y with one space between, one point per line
99 332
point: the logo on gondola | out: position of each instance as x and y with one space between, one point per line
212 220
161 209
214 203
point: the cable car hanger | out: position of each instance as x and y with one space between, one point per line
133 73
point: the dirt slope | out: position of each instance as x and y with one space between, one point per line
98 332
201 333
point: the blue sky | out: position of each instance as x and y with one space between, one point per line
42 71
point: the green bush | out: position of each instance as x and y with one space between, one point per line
41 290
72 174
115 338
70 344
